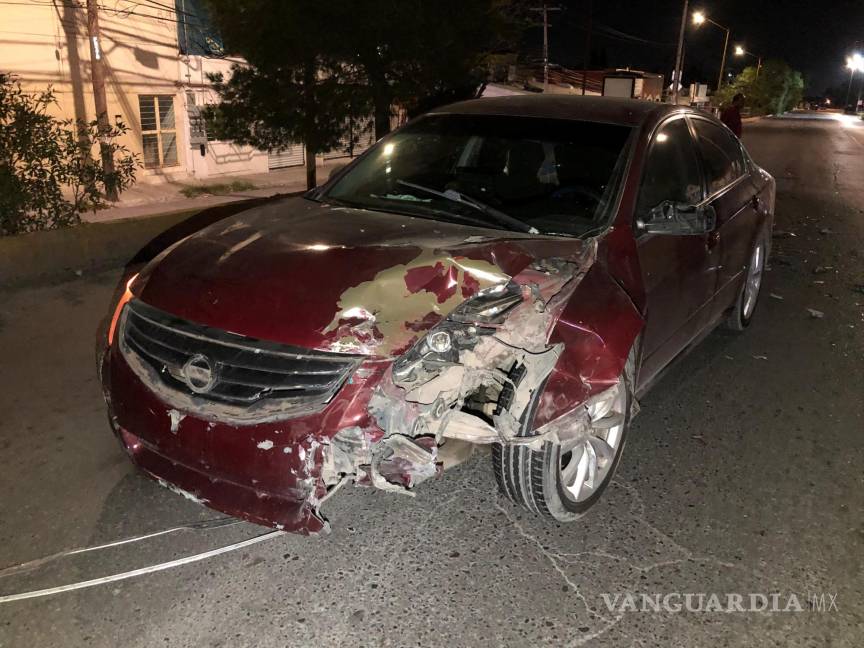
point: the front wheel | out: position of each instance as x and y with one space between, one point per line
563 481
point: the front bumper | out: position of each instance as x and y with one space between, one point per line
267 473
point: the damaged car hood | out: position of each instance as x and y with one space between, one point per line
334 278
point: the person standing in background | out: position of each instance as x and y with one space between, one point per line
731 115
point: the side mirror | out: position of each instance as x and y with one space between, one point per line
680 219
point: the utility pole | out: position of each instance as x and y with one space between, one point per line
585 60
97 74
545 9
723 60
679 55
860 86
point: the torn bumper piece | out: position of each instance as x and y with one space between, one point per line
267 473
274 473
290 509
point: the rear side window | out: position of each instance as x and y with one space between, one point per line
721 154
671 170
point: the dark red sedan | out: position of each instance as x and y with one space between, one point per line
511 272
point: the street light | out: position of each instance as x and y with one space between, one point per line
740 51
699 19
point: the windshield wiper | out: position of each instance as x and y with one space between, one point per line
455 196
424 213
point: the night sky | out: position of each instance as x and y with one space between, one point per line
812 37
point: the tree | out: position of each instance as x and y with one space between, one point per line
421 54
48 174
774 89
314 67
295 88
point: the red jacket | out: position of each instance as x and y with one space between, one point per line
731 116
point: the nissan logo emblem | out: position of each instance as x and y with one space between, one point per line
199 374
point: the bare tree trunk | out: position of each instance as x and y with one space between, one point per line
382 99
382 116
309 107
311 170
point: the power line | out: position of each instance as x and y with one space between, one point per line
615 33
132 12
125 12
172 9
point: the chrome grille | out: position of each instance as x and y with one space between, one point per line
242 371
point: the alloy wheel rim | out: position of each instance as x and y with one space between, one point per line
754 281
585 465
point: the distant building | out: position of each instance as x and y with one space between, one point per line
157 56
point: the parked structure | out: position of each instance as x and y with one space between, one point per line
157 58
616 82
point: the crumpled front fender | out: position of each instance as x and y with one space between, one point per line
597 328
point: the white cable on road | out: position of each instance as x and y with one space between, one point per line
195 526
140 572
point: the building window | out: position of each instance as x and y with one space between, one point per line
158 130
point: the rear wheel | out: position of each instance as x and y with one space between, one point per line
563 481
745 306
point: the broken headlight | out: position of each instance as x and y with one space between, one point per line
439 348
489 305
461 330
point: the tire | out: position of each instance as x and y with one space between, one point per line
535 479
748 297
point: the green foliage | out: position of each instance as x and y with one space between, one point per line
422 54
775 89
294 88
47 173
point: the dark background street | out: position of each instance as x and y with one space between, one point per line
743 473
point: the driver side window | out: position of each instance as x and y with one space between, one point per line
671 170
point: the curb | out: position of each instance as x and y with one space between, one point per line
61 255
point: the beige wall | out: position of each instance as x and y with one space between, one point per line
47 45
220 158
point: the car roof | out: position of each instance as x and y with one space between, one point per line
613 110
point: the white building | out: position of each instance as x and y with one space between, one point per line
157 57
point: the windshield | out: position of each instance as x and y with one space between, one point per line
517 173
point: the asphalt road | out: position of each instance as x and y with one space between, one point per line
743 475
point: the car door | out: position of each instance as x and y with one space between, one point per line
677 271
735 203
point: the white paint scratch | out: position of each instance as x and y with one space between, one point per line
175 416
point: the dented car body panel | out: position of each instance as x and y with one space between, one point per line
352 344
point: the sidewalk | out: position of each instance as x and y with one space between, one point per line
148 199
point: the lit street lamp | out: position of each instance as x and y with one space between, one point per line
699 19
740 51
